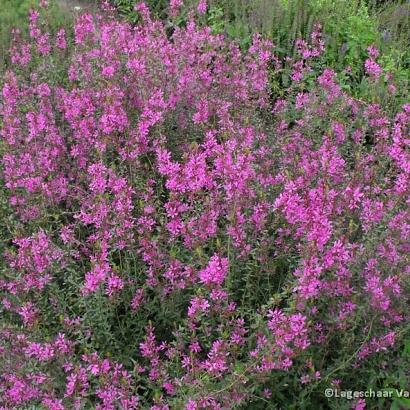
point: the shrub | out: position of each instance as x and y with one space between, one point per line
177 239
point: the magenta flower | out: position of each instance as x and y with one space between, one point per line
215 272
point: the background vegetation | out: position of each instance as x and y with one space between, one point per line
13 15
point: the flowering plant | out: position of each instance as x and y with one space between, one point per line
180 240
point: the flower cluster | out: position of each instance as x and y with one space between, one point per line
181 238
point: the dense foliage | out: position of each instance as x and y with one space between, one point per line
177 234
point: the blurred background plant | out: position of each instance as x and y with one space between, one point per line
13 15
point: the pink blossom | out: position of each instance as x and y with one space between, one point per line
215 272
202 7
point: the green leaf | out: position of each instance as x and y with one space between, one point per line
395 406
403 401
406 350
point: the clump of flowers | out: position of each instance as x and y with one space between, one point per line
181 238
